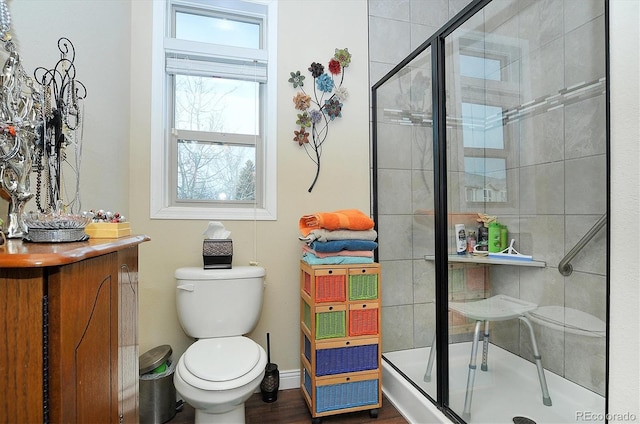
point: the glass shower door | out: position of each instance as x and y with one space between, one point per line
405 218
513 142
490 141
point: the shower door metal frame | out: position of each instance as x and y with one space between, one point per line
438 90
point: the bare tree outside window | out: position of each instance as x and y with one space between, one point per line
210 168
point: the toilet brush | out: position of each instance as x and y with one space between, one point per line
271 380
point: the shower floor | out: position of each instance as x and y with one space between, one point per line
508 389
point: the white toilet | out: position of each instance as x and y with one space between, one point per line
220 371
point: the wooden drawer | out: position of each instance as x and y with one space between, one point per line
363 283
346 393
364 319
345 356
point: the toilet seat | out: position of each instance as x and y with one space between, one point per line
569 320
221 359
221 363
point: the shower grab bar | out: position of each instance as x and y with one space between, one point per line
564 267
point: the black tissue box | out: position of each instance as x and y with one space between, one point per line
217 254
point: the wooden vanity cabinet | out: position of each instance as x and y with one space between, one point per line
68 321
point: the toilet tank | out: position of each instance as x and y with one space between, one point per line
219 302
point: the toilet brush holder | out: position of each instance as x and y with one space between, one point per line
271 381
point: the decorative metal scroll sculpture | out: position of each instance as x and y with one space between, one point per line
19 130
62 116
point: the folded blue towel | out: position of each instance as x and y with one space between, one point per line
338 245
312 259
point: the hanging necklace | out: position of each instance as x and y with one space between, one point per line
5 21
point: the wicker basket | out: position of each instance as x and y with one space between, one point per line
307 348
307 381
327 286
307 283
331 324
346 359
363 287
330 288
307 315
363 322
346 395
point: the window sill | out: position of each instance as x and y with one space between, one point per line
231 214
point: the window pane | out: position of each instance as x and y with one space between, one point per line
218 30
485 175
216 105
215 172
482 126
479 67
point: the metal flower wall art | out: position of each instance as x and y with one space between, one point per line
321 107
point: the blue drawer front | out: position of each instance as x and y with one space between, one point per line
346 359
346 395
307 349
307 381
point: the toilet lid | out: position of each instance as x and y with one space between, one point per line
221 359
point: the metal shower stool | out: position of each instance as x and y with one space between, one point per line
496 308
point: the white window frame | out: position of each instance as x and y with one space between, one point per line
160 157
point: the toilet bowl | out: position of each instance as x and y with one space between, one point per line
568 320
216 377
220 371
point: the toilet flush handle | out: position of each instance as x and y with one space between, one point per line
186 287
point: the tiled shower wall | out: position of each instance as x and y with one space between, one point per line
561 178
560 175
396 28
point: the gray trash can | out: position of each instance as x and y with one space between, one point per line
157 392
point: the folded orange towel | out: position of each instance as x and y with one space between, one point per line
347 219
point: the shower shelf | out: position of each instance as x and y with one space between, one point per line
489 261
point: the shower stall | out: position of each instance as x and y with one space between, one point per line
500 116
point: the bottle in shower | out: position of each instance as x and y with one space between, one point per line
461 239
471 241
503 237
482 238
494 237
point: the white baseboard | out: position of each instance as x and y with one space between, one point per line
289 379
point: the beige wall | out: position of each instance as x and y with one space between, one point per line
100 32
344 180
112 39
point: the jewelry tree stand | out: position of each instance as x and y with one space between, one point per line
57 220
62 131
19 127
38 122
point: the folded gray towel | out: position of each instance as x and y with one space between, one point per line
330 235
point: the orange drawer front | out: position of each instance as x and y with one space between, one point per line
363 320
331 288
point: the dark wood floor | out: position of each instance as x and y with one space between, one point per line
291 408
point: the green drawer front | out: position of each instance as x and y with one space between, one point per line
331 324
363 287
307 315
